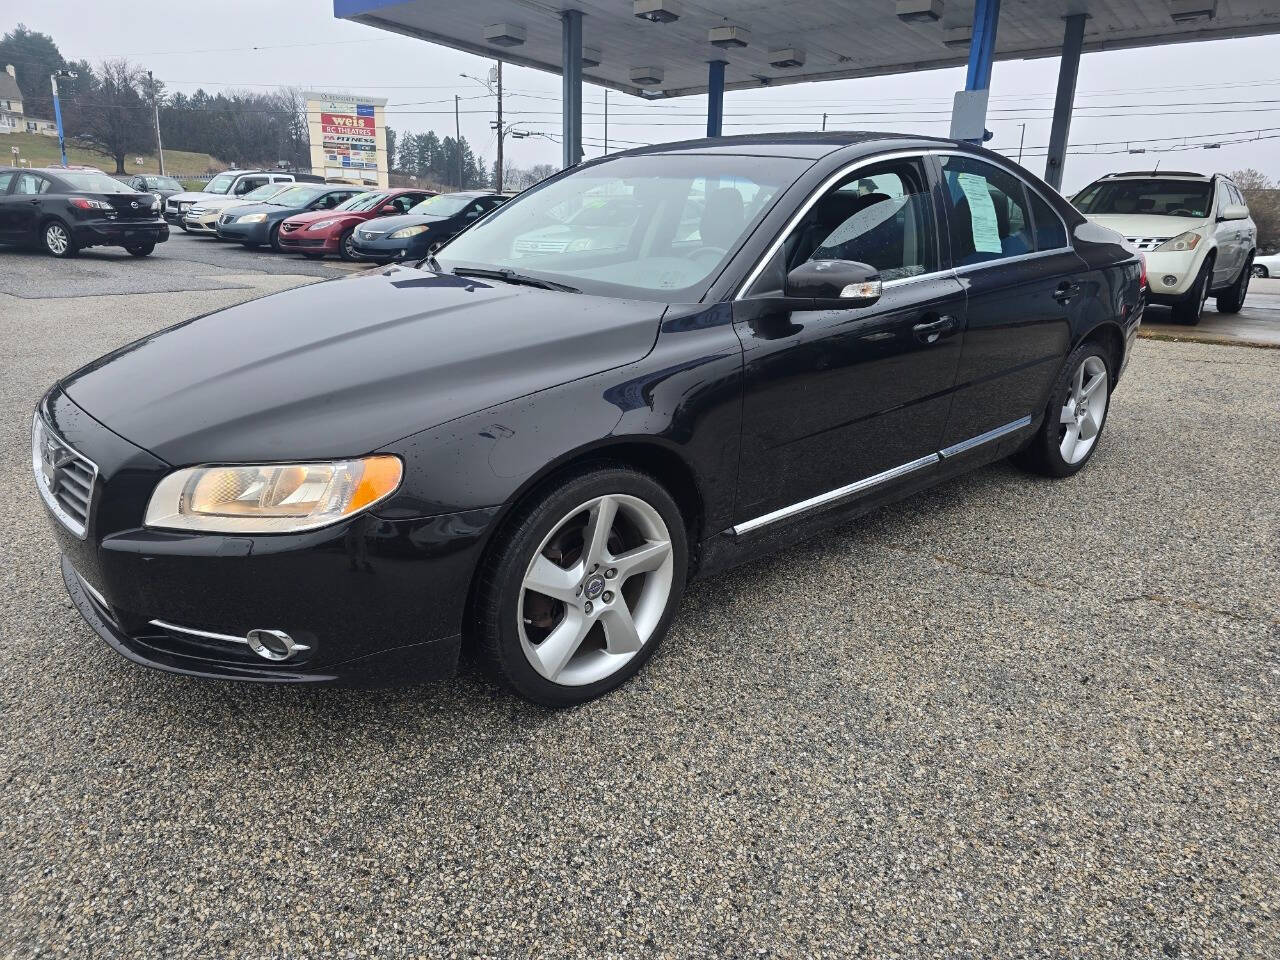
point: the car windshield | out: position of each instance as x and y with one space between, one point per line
362 202
163 183
94 182
1162 198
264 192
445 205
656 227
296 196
221 183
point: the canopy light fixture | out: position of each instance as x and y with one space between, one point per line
728 36
1213 146
1192 11
787 58
504 34
919 11
590 57
646 76
957 38
656 11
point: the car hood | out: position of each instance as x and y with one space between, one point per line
1146 225
343 367
311 216
214 201
391 224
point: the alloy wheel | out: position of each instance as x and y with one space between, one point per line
596 590
56 239
1084 411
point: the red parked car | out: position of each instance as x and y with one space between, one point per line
317 232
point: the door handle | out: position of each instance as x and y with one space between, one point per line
36 200
931 331
1065 291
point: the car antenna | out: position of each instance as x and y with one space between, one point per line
1157 168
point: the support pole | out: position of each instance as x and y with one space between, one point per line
715 97
606 121
1068 71
155 105
457 137
571 91
969 114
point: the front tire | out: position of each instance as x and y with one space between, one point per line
1260 271
1191 307
273 238
1231 300
346 246
1075 416
57 240
581 585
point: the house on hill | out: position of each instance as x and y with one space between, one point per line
12 117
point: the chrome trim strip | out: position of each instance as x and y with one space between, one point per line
980 439
1016 258
207 634
838 494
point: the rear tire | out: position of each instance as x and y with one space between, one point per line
1191 307
1075 416
580 585
273 238
1231 300
141 249
1260 271
56 238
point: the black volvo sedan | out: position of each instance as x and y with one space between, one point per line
64 210
347 481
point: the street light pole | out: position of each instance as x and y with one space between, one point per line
57 110
457 138
501 133
155 104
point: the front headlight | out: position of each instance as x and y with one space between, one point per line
321 224
409 232
271 498
1182 243
253 218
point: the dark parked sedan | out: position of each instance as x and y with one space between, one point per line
433 221
255 224
64 211
349 480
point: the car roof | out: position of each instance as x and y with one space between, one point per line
1160 175
809 145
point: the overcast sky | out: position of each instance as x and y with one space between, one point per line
301 44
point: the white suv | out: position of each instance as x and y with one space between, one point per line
1194 230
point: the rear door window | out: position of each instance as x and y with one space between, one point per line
987 211
1050 234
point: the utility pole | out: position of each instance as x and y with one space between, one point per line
824 121
155 103
606 121
57 109
1021 140
501 133
457 137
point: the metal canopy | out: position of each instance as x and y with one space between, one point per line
853 38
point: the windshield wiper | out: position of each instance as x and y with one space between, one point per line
510 276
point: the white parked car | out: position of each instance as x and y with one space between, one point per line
1266 265
1194 230
229 183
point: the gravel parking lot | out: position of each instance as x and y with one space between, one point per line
1006 718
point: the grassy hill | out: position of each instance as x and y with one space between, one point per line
41 151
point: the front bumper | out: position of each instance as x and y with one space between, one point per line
1181 268
244 232
119 233
306 241
377 601
202 224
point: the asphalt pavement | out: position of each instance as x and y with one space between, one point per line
1257 324
1007 718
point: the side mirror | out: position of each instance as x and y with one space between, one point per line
840 283
388 208
1236 211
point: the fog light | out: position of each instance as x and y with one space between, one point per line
1169 280
273 644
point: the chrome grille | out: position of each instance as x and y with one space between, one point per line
227 218
1147 243
65 477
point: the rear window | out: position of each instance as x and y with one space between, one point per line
296 196
92 182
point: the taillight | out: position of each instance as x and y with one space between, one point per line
1142 277
87 203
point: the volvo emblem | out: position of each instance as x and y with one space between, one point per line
593 587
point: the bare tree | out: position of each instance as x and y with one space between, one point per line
114 115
